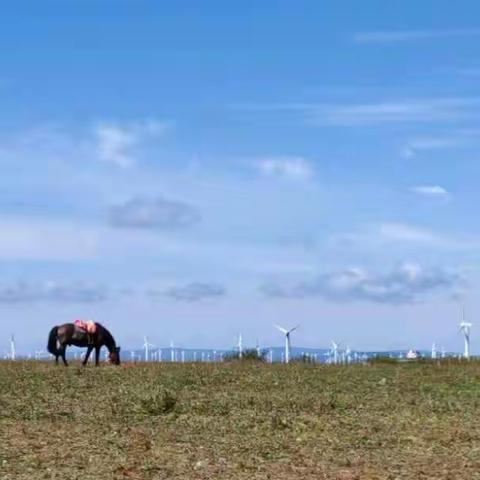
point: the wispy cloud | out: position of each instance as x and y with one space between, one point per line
470 72
431 191
406 233
48 291
400 235
380 113
417 146
406 284
296 168
115 143
387 37
36 239
159 213
195 292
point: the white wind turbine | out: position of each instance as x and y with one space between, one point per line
39 354
465 328
146 347
172 351
13 352
334 351
287 340
240 346
434 351
348 354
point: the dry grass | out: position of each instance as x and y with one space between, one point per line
240 421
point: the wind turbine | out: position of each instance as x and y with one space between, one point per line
465 328
434 351
172 351
348 354
13 352
240 346
334 351
287 340
146 347
39 354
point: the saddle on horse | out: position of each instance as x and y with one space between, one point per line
87 326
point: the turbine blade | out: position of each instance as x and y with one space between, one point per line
283 330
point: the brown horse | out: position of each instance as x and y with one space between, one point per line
69 334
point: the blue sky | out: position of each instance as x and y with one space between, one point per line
189 170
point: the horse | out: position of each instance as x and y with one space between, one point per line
68 334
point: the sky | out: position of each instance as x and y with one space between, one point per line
191 170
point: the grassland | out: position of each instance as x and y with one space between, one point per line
240 421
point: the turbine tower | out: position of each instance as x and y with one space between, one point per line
172 351
465 328
334 351
146 347
434 351
287 340
240 346
13 352
348 353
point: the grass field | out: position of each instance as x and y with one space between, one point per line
240 421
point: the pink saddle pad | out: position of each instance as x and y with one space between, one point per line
88 326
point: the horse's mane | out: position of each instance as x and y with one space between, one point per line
108 336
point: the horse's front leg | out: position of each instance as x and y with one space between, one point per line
63 352
87 355
97 355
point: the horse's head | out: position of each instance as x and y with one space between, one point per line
114 356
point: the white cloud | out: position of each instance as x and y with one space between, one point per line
404 36
405 233
296 168
115 143
431 191
395 234
379 113
419 145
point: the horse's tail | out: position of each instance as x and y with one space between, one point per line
52 341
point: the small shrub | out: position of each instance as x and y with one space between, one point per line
382 359
157 402
252 354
